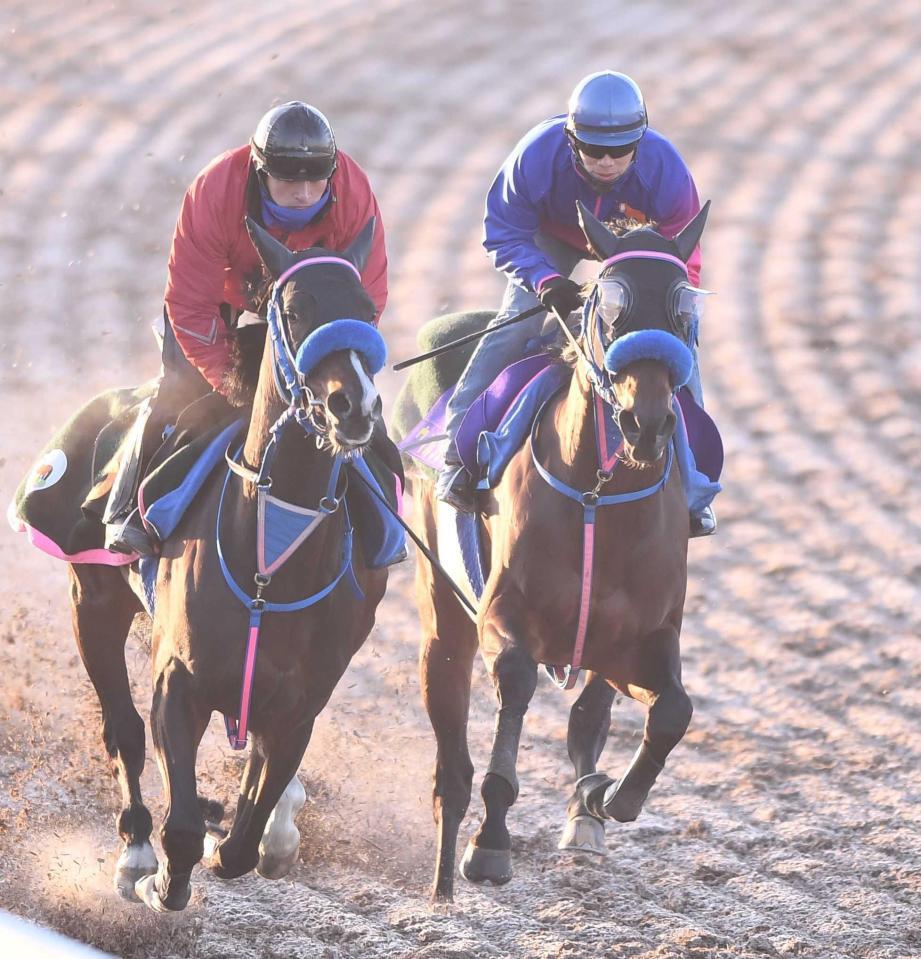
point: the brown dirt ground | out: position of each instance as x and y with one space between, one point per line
787 822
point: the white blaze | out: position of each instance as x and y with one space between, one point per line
368 389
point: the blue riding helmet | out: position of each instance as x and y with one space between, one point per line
607 109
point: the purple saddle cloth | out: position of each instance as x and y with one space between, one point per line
703 436
427 440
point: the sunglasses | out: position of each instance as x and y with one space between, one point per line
597 151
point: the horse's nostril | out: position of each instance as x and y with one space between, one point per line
627 423
668 425
339 404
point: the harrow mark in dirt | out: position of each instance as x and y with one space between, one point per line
789 824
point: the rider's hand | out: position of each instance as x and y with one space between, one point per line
561 295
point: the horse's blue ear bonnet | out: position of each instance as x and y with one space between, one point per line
344 334
651 345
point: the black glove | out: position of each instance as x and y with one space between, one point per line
561 295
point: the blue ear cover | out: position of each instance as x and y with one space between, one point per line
651 345
342 335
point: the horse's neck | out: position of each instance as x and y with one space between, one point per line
299 474
571 443
300 470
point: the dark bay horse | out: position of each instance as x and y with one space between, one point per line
587 566
315 406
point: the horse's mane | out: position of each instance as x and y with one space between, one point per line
621 225
246 347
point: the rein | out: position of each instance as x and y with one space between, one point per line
272 514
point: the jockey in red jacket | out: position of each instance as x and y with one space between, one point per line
294 181
314 197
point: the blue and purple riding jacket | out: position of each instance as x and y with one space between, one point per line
538 185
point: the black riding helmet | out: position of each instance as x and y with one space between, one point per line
294 141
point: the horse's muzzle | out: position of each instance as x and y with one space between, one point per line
645 440
350 424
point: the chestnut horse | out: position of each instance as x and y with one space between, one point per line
314 407
587 566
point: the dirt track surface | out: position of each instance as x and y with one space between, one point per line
787 821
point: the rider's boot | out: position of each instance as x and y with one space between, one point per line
455 485
703 523
125 532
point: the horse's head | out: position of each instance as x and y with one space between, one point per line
326 349
642 319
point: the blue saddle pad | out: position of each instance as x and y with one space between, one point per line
163 515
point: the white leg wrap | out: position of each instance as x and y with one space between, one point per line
281 840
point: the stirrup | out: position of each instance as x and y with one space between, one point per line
129 536
455 487
703 523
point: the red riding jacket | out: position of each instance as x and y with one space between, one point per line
213 261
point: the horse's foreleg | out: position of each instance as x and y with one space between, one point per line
269 774
103 608
589 720
658 684
488 856
177 724
449 645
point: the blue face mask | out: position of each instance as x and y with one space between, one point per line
289 218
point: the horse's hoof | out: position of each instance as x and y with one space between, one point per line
226 869
583 834
624 805
133 864
486 865
147 891
442 906
278 865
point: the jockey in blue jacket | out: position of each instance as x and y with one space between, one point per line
603 153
